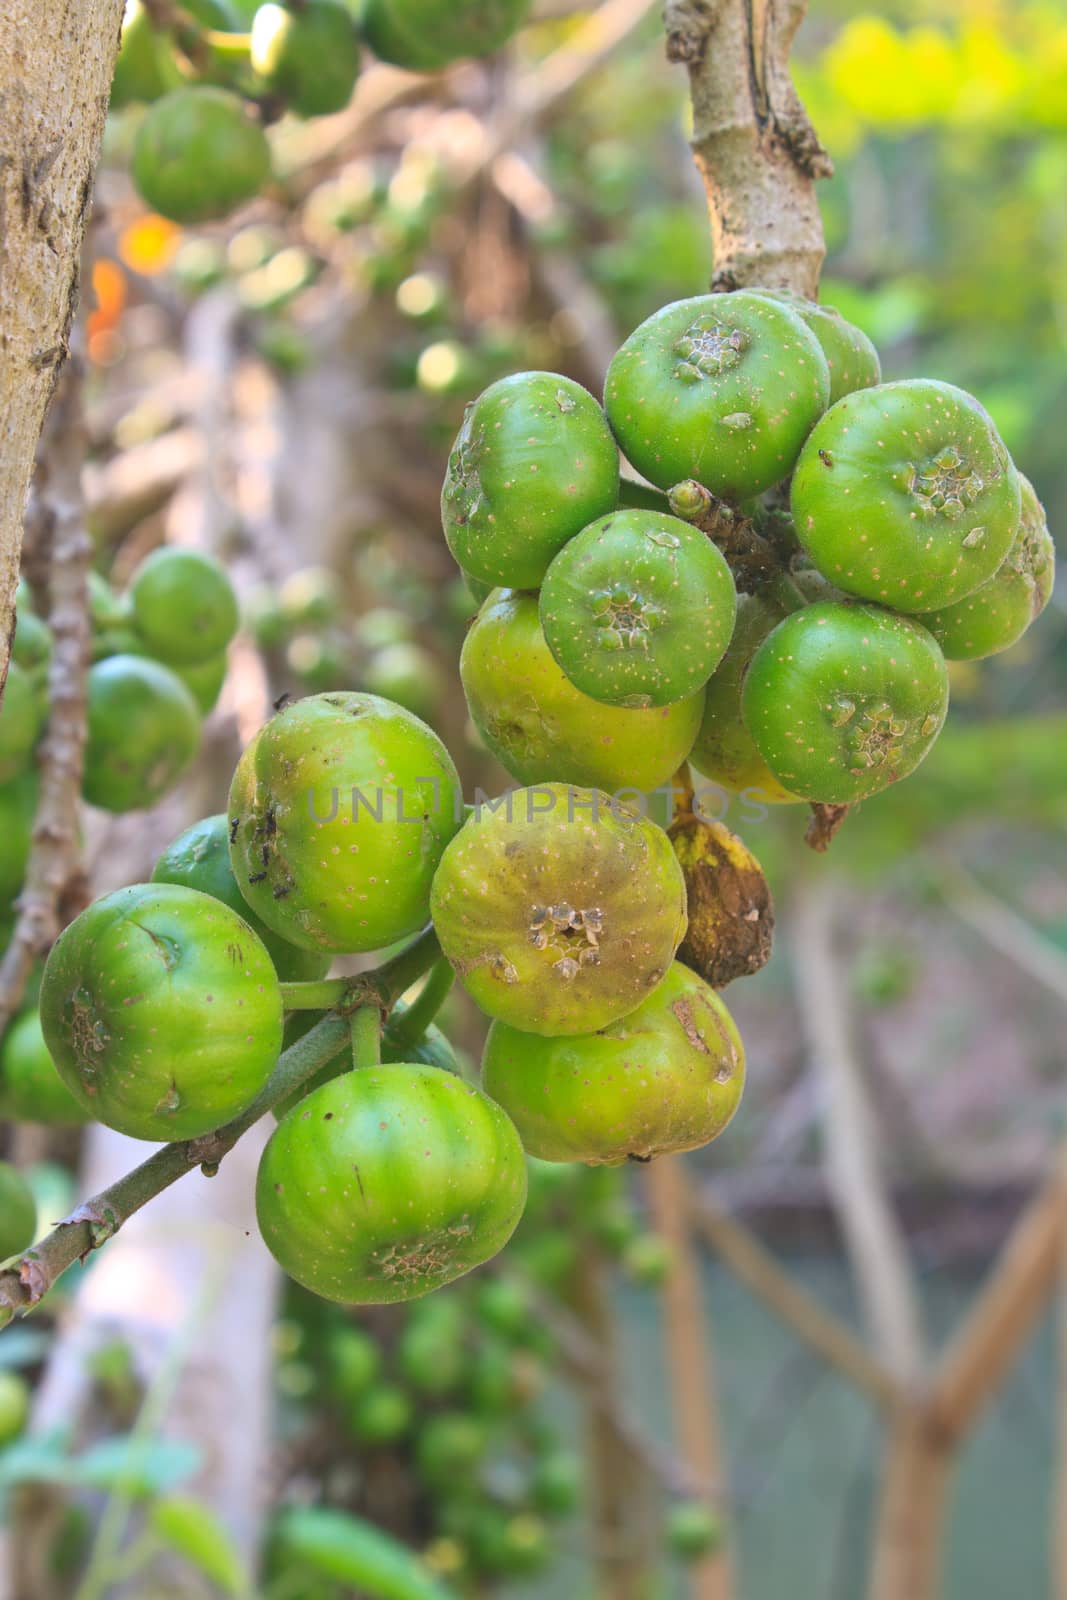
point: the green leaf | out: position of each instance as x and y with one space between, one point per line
335 1544
194 1532
123 1465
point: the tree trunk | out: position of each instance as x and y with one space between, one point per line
56 62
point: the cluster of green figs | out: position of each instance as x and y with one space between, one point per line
158 663
158 654
613 647
164 1007
612 644
213 72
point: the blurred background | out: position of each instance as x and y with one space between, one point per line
282 391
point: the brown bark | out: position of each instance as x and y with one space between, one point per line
756 150
56 62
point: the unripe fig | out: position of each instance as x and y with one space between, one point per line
905 495
638 609
843 700
666 1078
722 388
559 909
533 463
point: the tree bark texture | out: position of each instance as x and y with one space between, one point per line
752 141
56 62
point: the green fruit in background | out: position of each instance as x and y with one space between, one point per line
533 463
21 720
107 610
556 1484
146 67
503 1305
510 1545
722 388
843 700
381 627
541 728
724 750
381 1416
183 606
648 1259
425 35
31 1089
559 910
389 1182
905 495
692 1530
503 1380
162 1012
204 682
549 1260
199 858
432 1360
14 1406
354 1361
308 56
339 811
997 614
850 355
407 674
450 1446
638 608
18 806
18 1212
666 1078
199 155
143 733
32 645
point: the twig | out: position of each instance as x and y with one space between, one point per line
540 91
879 1255
911 1513
53 861
1002 927
1058 1521
689 1354
92 1224
621 1526
1017 1290
584 1359
822 1332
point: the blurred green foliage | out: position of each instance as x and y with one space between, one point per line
946 219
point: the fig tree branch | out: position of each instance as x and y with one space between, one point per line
26 1280
875 1243
752 141
690 1358
756 1268
53 863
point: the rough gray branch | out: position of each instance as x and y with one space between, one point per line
752 141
